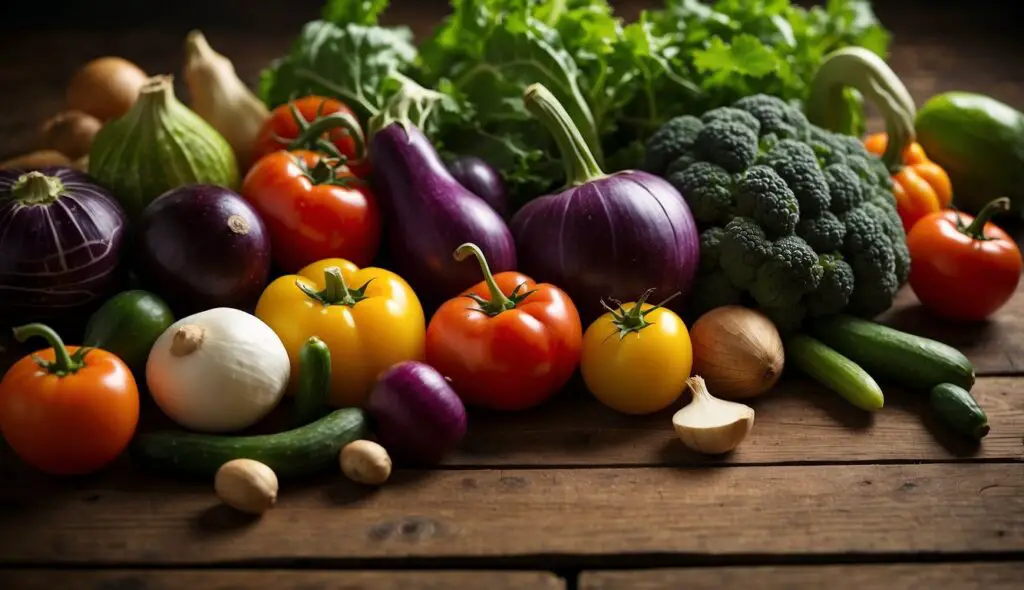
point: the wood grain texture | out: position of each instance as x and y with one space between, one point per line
566 518
277 580
961 576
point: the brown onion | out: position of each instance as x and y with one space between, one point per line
70 133
105 87
738 352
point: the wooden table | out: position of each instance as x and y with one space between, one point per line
570 495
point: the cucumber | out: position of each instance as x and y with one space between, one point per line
889 354
955 406
128 325
303 451
979 141
314 381
835 371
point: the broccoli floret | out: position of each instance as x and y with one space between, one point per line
744 248
796 163
679 164
765 196
730 114
791 270
708 191
833 292
670 141
845 189
863 169
776 116
715 290
730 144
824 234
711 248
786 319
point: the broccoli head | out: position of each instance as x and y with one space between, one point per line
795 220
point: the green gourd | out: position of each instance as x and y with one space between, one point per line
159 144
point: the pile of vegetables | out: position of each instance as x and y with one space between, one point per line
383 236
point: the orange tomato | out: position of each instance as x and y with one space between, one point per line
921 186
67 410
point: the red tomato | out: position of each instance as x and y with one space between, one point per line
312 213
282 128
513 348
72 413
963 268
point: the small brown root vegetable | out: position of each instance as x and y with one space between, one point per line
37 159
246 485
105 87
738 352
70 133
365 462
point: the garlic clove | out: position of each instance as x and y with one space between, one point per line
710 425
365 462
246 485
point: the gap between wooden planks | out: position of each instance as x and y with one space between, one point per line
569 518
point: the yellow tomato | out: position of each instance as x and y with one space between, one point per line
369 318
636 359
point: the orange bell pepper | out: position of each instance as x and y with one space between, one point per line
920 186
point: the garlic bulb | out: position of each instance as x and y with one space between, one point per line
710 425
246 485
221 98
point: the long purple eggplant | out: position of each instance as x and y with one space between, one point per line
429 214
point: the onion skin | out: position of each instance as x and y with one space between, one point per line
738 352
106 87
58 259
482 180
203 246
418 416
428 214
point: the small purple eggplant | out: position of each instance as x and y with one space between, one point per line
482 179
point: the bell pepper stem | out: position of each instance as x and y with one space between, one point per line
335 291
976 230
63 363
498 301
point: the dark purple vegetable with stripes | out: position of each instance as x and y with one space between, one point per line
482 180
417 416
61 237
428 214
604 236
203 246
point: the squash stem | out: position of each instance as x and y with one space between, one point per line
580 165
498 301
976 230
36 188
63 363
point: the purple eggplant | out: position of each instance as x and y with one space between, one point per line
482 180
429 214
604 236
61 238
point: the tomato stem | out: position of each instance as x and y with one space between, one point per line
976 230
335 291
498 301
311 134
635 318
63 363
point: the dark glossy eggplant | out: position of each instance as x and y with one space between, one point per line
604 236
429 214
203 246
61 237
482 180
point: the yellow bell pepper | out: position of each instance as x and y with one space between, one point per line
369 318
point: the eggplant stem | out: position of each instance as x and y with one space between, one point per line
36 188
64 363
580 165
498 301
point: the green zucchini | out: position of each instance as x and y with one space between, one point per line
835 371
128 325
979 141
889 354
299 452
955 407
314 381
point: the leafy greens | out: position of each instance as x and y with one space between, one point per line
620 81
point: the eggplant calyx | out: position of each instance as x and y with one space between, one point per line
410 106
498 302
335 291
976 230
64 364
314 135
580 165
635 318
36 188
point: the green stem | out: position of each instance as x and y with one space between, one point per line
498 301
976 230
63 363
868 73
36 188
335 291
580 165
635 319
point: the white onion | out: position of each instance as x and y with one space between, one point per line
219 370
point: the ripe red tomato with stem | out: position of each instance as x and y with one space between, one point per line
319 124
314 208
507 343
963 268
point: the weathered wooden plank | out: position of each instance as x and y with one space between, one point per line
277 580
962 576
565 517
798 421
